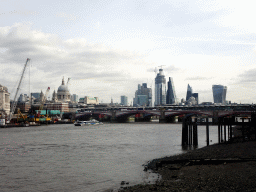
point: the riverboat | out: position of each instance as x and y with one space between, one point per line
91 122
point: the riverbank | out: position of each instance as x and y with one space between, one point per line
220 167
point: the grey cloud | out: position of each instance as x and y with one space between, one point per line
248 76
99 75
198 78
165 68
53 58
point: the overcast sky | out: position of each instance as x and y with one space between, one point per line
109 47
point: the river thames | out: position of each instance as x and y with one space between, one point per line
89 158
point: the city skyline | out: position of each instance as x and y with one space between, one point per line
108 48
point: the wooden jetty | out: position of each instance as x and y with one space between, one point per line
226 126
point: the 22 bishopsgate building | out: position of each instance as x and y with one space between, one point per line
160 88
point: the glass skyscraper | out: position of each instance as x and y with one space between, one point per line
189 92
143 96
160 88
124 100
219 93
171 96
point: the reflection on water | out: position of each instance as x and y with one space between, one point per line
91 158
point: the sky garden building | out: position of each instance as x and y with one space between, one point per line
219 93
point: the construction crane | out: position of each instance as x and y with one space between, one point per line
161 66
68 81
44 99
14 103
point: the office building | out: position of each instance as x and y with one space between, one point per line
89 100
171 95
191 98
143 96
124 100
195 95
189 92
219 93
160 88
75 98
4 100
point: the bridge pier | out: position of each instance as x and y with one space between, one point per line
162 116
142 118
113 117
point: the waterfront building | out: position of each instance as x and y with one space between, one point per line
24 106
171 95
124 100
89 100
4 100
143 96
75 98
160 88
62 107
219 93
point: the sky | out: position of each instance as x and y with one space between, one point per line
108 47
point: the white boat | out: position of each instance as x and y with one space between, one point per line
79 123
90 122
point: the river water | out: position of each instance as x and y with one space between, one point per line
89 158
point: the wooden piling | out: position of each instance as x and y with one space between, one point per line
225 136
219 123
243 129
195 136
221 137
207 131
190 133
184 132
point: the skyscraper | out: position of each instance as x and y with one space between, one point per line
189 92
191 98
124 100
219 93
143 96
171 96
160 88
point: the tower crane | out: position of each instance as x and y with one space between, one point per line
44 98
14 103
68 81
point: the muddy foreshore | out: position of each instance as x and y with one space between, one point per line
219 167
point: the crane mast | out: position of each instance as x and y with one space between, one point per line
44 98
14 104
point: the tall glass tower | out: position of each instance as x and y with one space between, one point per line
219 93
160 88
171 96
189 92
124 100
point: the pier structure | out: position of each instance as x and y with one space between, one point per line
228 128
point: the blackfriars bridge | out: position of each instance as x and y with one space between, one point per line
164 115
